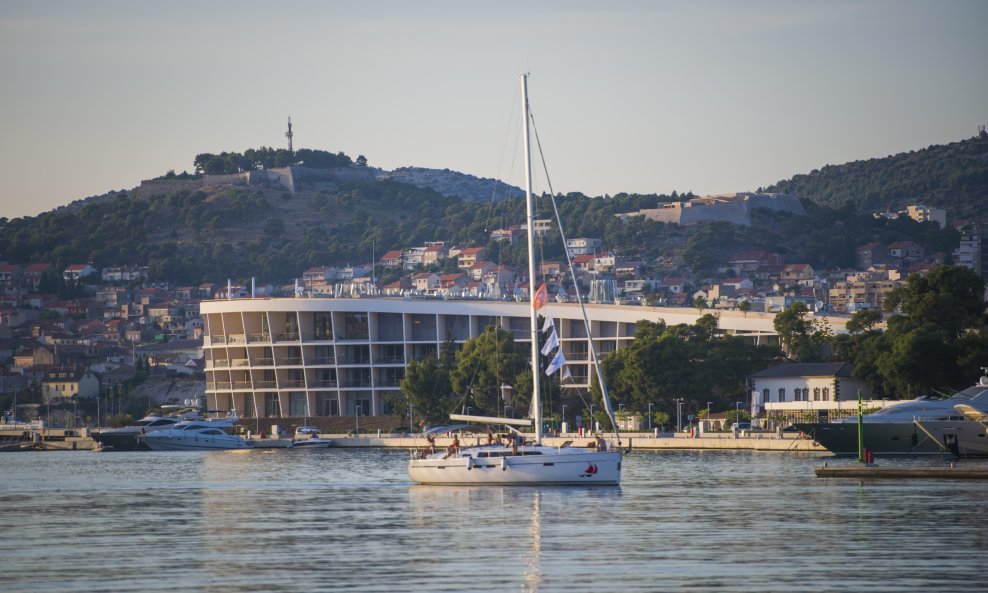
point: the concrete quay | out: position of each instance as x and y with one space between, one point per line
68 440
636 441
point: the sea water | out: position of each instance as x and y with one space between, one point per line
350 520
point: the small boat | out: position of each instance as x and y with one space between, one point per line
922 426
307 437
196 435
523 463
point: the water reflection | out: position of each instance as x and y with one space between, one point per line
338 520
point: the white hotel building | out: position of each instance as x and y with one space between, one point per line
291 357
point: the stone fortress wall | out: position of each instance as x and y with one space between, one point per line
733 208
289 178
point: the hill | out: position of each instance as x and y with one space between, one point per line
272 223
952 176
453 184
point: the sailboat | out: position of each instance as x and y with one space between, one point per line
526 463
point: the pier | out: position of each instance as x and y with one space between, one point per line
949 472
56 439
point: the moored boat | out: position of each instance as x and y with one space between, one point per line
524 463
193 435
126 438
922 426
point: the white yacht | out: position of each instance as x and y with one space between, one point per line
522 463
922 426
200 434
126 438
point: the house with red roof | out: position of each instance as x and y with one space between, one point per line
33 275
469 256
391 259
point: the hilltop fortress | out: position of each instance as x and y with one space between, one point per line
734 208
289 178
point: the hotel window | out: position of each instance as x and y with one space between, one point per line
355 326
248 406
272 407
297 404
782 394
765 395
327 404
323 326
423 327
826 394
816 394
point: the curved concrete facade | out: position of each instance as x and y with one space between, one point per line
293 357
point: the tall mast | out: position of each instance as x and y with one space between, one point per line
530 216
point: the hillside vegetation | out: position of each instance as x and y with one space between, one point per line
952 176
190 233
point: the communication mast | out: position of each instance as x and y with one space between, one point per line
289 135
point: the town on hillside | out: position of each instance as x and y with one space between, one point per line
80 332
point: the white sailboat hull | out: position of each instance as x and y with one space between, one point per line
532 466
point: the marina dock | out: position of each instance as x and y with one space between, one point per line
61 439
950 472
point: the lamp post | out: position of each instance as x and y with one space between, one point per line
564 414
737 411
709 424
679 414
591 418
650 404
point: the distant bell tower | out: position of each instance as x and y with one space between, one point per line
289 135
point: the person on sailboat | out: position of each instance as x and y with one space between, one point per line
431 447
453 448
601 443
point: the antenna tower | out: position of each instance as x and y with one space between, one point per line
289 135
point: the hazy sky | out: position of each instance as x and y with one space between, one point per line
630 96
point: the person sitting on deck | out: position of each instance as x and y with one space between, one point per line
431 447
490 438
601 443
453 448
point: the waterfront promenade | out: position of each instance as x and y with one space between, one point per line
61 440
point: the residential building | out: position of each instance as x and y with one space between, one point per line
869 255
75 272
391 259
33 275
67 383
469 256
923 213
796 390
905 252
584 246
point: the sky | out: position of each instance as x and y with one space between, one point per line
628 96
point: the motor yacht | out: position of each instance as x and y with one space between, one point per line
927 425
200 434
126 437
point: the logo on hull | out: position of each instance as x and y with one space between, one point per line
590 471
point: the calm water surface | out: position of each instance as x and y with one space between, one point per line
350 520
